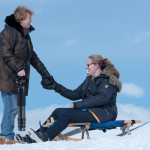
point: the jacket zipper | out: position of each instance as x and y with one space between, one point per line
107 112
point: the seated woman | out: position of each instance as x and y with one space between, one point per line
98 93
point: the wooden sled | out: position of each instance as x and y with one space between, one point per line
85 127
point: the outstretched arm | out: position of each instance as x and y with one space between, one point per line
38 65
67 93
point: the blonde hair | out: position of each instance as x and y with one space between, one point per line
98 59
21 13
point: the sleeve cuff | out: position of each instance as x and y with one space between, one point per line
74 104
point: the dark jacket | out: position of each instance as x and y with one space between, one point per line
16 53
98 95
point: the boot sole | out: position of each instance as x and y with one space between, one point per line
34 136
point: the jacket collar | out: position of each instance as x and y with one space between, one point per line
100 76
113 75
11 21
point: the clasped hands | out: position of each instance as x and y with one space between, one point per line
49 83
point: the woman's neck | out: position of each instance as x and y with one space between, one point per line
97 73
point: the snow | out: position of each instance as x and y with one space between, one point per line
138 140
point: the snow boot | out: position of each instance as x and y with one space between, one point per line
4 140
25 139
38 136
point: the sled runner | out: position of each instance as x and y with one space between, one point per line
85 127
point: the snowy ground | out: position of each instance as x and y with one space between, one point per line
138 140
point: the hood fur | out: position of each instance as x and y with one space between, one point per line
11 21
114 75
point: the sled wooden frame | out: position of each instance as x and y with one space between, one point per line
124 128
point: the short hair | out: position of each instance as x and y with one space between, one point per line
21 13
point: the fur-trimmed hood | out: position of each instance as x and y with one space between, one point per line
11 21
114 75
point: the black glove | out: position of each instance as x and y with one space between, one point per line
46 81
49 83
45 76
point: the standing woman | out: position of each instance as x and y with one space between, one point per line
98 93
16 55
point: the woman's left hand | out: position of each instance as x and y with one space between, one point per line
72 105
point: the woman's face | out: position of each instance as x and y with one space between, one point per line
26 23
91 68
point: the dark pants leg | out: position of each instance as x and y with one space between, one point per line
63 117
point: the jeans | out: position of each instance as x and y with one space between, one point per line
9 114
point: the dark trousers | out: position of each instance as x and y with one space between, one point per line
64 116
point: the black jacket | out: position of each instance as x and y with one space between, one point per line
16 53
98 96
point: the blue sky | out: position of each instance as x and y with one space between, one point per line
68 31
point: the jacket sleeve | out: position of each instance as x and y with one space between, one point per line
70 94
105 92
38 65
7 44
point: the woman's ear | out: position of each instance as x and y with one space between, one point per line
97 65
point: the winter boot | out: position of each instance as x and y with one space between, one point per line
38 136
25 139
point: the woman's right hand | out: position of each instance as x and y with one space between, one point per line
21 73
